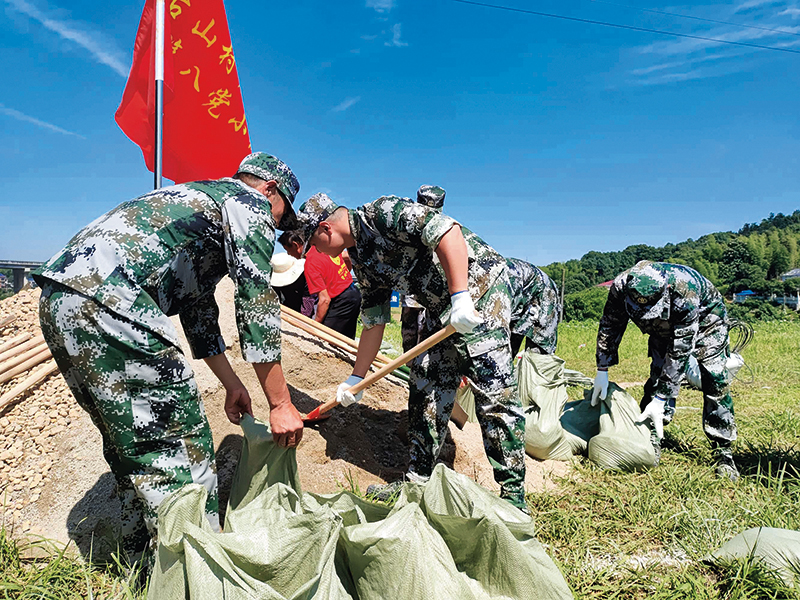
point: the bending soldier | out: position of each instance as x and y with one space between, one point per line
536 309
396 244
104 312
683 313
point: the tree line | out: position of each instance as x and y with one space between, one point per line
752 258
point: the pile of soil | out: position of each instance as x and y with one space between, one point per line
54 482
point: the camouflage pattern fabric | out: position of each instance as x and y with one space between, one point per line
435 377
668 301
164 253
536 308
718 419
411 323
141 394
431 196
395 242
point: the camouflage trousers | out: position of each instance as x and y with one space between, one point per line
141 394
712 352
485 358
535 319
412 321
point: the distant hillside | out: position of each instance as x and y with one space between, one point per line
752 258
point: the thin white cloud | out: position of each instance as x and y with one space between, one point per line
396 41
790 12
19 116
381 6
368 38
347 103
749 4
679 60
102 50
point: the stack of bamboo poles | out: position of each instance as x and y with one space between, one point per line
18 356
337 339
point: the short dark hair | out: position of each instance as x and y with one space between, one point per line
249 179
291 237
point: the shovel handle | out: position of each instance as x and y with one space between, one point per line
384 371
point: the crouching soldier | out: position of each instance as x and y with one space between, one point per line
396 244
683 314
104 312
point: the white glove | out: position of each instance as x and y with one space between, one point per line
655 412
600 390
464 318
343 396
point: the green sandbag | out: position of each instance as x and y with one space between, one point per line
449 538
623 443
543 383
581 422
778 550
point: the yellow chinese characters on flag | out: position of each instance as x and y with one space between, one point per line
205 128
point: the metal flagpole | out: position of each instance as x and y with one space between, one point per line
159 71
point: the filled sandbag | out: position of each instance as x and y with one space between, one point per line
448 538
543 383
623 443
777 550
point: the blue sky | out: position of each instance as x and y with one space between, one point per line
552 138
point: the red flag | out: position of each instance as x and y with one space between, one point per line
205 131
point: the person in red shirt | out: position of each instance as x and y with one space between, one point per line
339 300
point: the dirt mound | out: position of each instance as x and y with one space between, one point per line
55 483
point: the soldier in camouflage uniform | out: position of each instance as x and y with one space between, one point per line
104 312
536 309
683 314
396 244
413 316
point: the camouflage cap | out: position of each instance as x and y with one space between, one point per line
268 167
313 212
431 196
646 287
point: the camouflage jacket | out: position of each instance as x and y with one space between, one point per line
536 306
163 254
689 306
395 242
527 281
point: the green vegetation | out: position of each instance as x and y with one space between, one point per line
585 305
752 258
645 535
42 570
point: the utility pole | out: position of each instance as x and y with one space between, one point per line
563 277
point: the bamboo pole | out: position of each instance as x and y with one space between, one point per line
34 379
328 330
330 339
348 347
17 360
28 364
16 340
39 339
8 320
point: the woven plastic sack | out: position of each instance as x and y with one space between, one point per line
623 443
450 538
776 549
543 383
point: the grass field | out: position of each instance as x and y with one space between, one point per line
645 535
613 535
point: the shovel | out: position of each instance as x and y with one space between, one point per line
318 413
